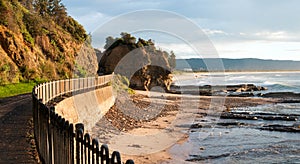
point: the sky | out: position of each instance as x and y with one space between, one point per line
265 29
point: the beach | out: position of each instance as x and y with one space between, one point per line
159 127
117 125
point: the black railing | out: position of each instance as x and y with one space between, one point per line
56 139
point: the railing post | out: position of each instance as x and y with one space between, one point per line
115 158
95 151
56 140
79 139
72 150
87 148
129 161
50 134
104 154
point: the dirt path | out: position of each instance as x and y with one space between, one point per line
15 116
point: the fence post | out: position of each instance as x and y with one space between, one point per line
104 154
57 142
79 139
95 151
129 161
72 151
87 148
115 158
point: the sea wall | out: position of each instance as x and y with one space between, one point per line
86 108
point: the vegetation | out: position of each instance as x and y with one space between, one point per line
38 40
16 89
128 40
121 84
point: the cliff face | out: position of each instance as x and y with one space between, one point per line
140 62
37 47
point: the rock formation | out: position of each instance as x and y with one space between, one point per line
143 64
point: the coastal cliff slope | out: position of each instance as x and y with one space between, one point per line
39 41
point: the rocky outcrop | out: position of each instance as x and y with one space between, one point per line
140 62
282 95
240 90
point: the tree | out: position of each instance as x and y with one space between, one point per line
41 7
52 8
109 41
172 60
28 4
128 38
58 11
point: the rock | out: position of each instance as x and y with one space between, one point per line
283 95
241 90
144 65
196 126
281 128
241 95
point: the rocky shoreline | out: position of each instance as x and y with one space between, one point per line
149 116
241 90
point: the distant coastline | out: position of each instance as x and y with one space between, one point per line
240 71
236 65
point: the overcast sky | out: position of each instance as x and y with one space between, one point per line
266 29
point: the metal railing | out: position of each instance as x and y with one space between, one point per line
56 139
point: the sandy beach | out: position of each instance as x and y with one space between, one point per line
146 125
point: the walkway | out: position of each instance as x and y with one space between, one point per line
15 115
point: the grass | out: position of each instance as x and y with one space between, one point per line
16 89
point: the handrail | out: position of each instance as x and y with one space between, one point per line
50 90
56 138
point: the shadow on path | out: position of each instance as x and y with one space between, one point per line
15 115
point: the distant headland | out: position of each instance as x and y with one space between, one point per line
247 64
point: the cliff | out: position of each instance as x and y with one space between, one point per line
42 44
140 61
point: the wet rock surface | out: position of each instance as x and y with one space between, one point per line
241 90
257 116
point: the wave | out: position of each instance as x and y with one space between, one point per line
281 86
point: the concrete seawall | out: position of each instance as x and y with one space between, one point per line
86 108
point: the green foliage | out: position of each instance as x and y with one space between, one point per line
27 37
3 12
16 89
126 39
121 84
34 24
4 73
27 73
48 69
7 73
5 68
35 20
80 71
75 29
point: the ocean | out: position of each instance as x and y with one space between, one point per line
274 81
247 143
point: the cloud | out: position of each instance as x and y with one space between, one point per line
181 50
248 28
92 20
259 49
214 32
272 35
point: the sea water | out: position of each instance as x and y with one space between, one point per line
274 81
245 144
